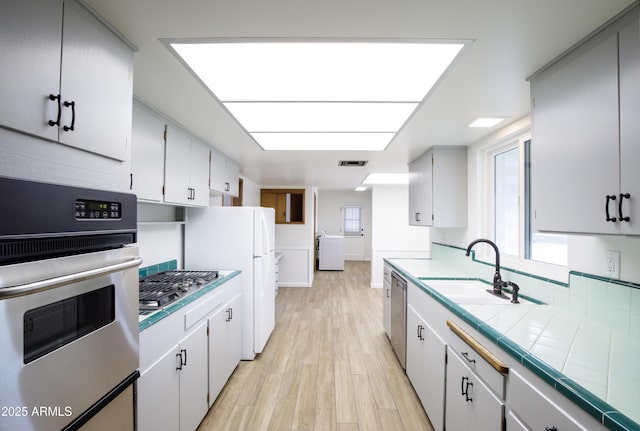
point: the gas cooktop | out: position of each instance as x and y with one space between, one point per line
159 290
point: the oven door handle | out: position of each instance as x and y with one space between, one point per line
52 283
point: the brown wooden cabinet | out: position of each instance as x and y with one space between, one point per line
287 203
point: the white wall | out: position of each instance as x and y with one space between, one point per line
391 234
160 234
330 218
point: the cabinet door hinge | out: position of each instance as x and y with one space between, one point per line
163 190
164 134
207 331
208 398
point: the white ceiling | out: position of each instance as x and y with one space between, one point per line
511 40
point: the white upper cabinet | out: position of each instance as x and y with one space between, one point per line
147 154
438 188
30 41
630 126
68 83
224 175
585 139
186 180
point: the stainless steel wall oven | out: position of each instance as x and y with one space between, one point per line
68 307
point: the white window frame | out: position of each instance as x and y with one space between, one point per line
487 154
344 215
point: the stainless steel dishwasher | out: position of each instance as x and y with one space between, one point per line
399 317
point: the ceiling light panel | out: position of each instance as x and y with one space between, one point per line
321 117
317 71
323 141
486 121
319 95
386 178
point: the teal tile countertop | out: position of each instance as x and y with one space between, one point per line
150 319
595 366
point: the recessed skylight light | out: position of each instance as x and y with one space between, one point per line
386 179
486 121
340 89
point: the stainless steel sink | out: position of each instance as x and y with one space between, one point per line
467 292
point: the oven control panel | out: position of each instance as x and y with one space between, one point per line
90 209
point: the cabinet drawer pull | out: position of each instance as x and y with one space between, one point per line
57 122
417 216
550 429
388 294
606 208
73 116
623 196
462 386
466 356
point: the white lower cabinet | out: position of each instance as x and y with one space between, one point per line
471 405
526 403
426 361
193 386
187 358
225 329
172 394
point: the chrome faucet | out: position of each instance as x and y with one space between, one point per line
498 284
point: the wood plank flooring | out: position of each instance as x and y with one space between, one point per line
327 366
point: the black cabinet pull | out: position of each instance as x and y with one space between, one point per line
606 208
417 216
623 196
388 296
550 429
466 356
229 314
227 187
73 116
185 356
467 398
179 356
131 181
57 122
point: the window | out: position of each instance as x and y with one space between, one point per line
352 219
507 193
512 221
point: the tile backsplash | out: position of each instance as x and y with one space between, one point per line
614 303
170 265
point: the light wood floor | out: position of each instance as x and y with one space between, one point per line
327 366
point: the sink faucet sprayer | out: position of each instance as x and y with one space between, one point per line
498 284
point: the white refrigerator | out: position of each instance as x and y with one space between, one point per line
225 238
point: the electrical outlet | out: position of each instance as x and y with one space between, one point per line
613 263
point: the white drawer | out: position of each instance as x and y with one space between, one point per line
493 378
207 305
528 403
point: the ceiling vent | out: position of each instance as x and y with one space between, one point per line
353 162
